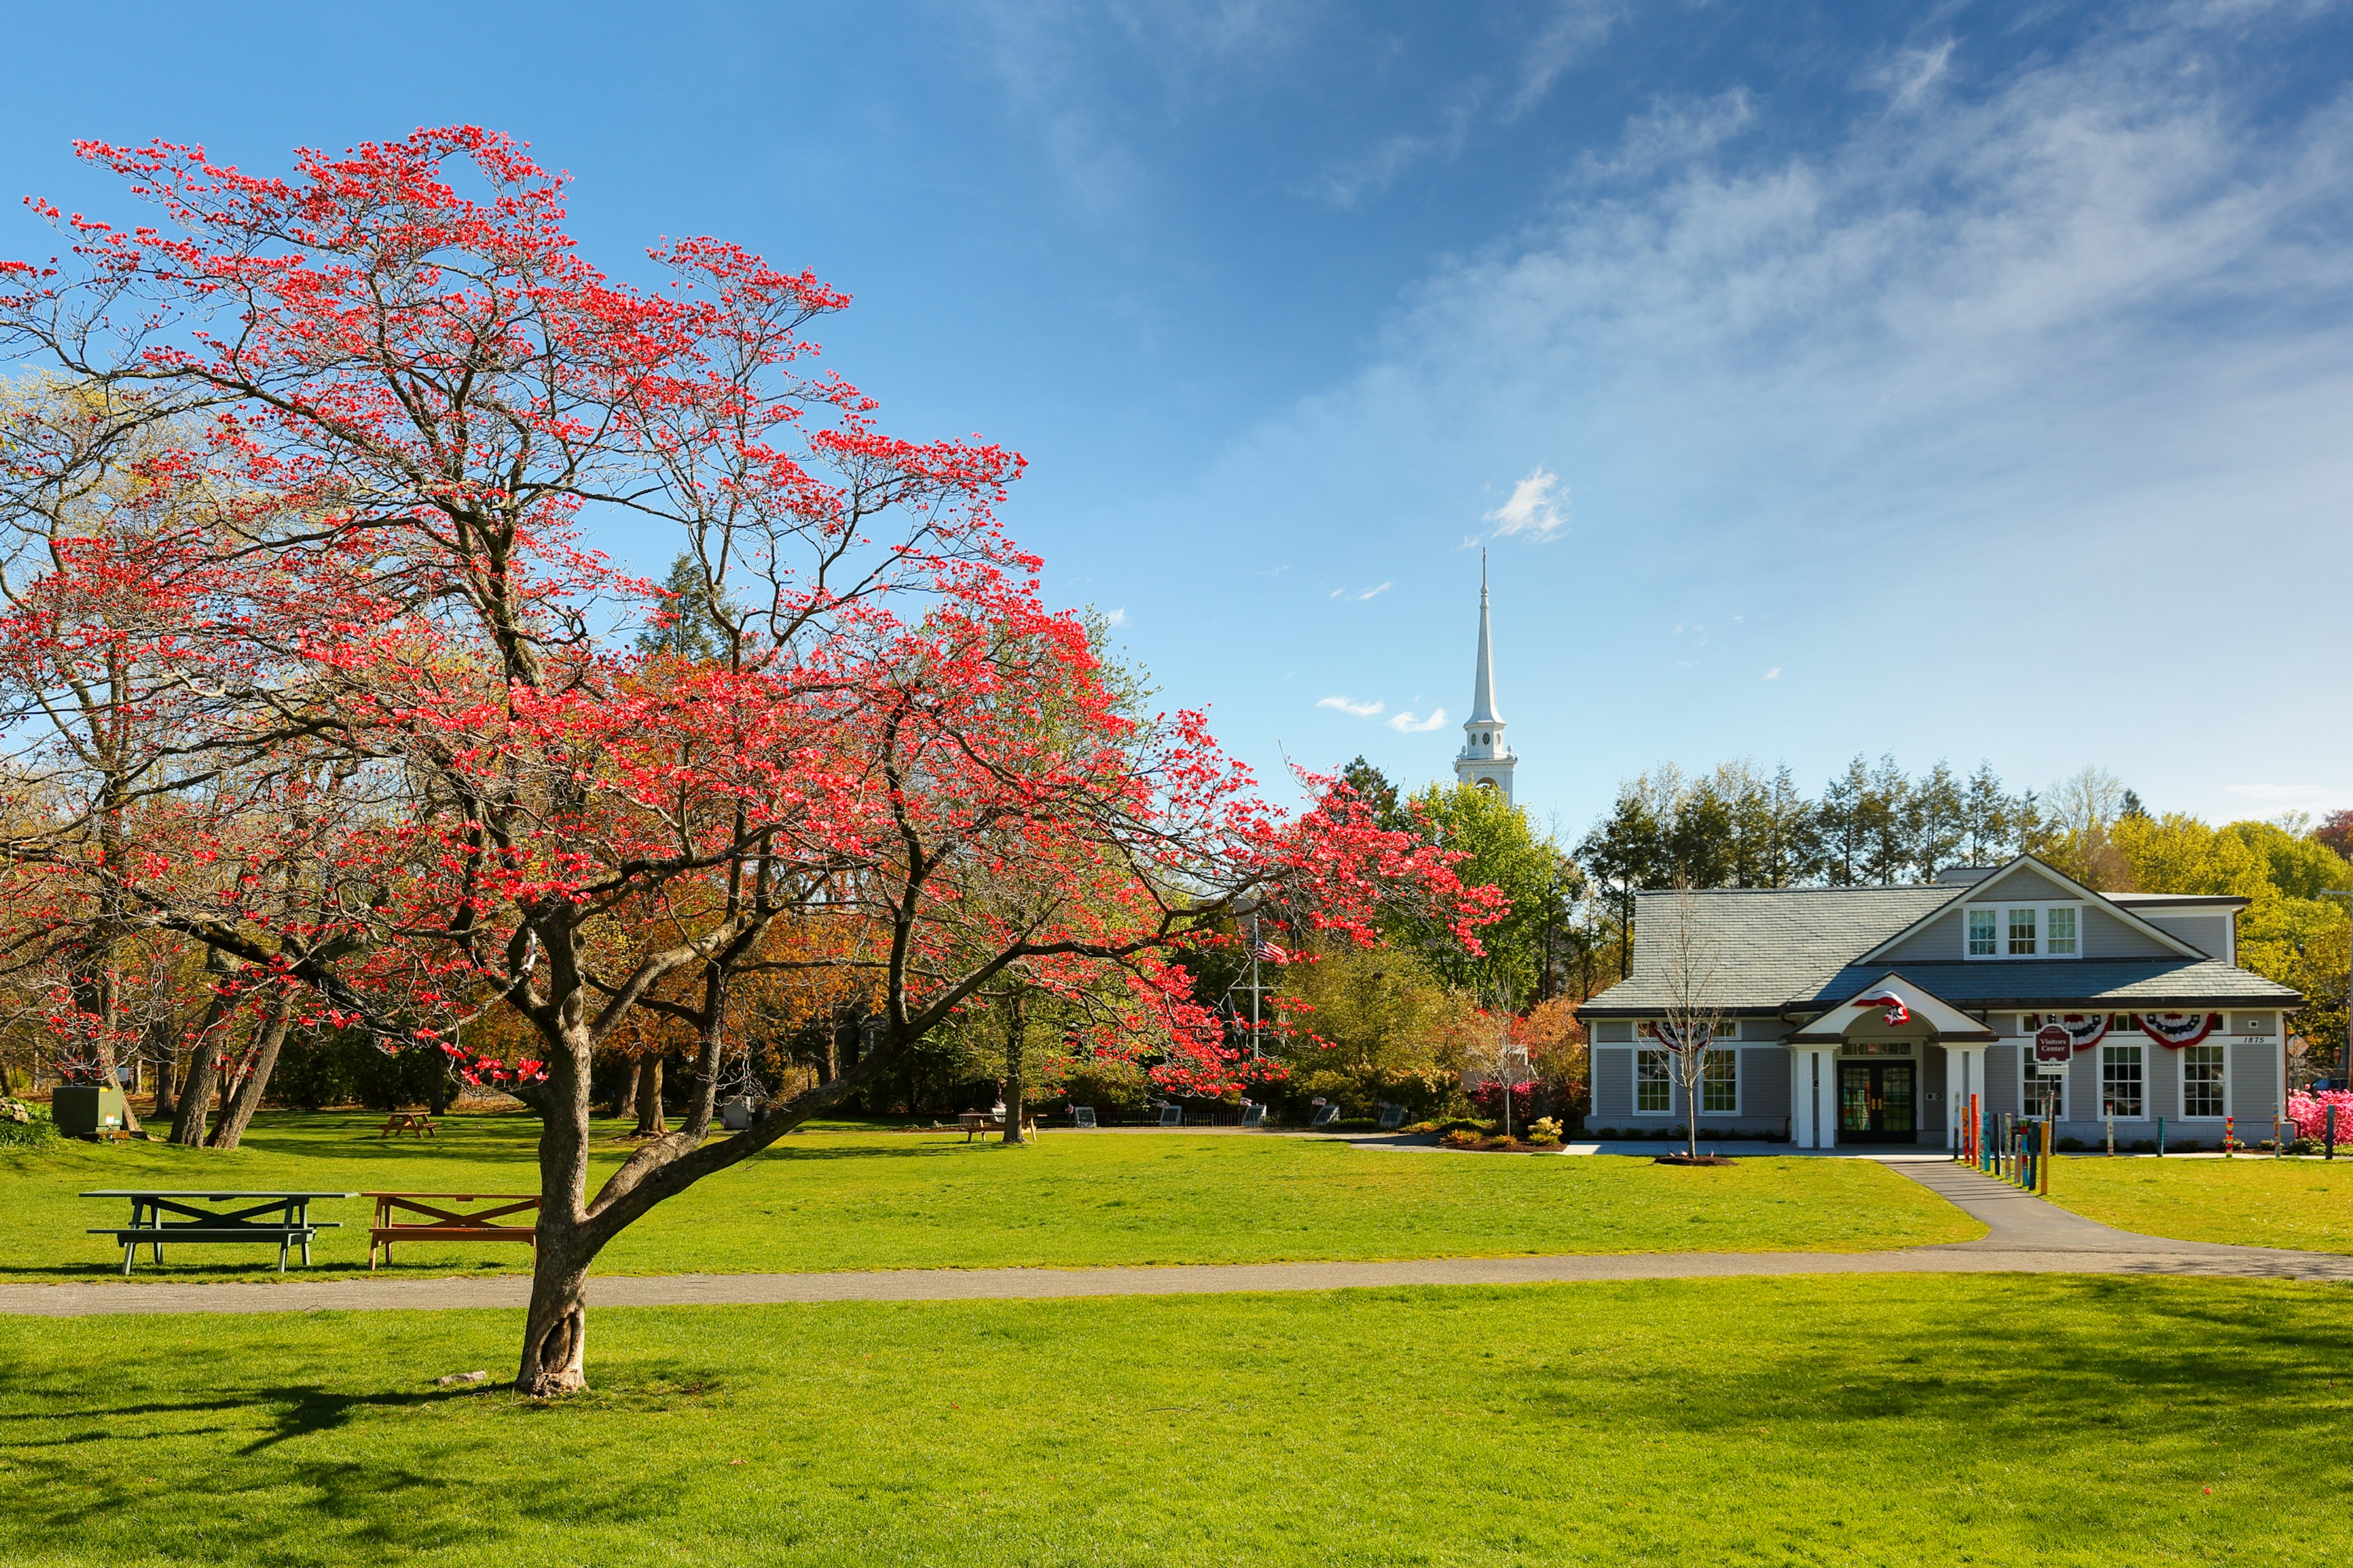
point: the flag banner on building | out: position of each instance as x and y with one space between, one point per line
1695 1039
1897 1013
2175 1030
2086 1029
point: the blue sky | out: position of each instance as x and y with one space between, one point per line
1959 380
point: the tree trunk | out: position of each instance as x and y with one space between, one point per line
555 1334
204 1059
1015 1084
444 1090
625 1098
238 1114
196 1095
651 1122
167 1075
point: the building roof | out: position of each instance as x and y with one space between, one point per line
1798 950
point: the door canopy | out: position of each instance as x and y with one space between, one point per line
1892 1006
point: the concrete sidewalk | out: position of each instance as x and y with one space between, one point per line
2024 1236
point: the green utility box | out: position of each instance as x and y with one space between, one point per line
87 1109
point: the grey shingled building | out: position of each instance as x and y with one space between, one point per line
1873 1014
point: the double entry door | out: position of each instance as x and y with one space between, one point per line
1877 1102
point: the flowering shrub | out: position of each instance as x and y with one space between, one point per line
1488 1097
2310 1114
1461 1137
1546 1130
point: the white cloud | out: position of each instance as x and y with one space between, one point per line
1406 724
1117 618
1374 593
2278 791
1533 509
1773 673
1361 709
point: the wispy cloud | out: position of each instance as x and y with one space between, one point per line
1909 77
1355 597
1533 510
1117 618
1361 709
1773 673
1406 724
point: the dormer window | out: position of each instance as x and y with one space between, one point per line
2022 930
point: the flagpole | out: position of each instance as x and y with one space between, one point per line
1253 987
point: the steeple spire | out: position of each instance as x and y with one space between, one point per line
1486 759
1483 678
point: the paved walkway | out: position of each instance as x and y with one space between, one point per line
2024 1236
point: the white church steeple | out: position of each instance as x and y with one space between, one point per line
1485 759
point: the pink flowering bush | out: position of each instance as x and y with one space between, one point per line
2310 1114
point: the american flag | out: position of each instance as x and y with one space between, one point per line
1266 952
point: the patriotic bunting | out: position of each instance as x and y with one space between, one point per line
2086 1029
2175 1030
1667 1035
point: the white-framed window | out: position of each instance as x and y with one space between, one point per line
2023 930
2120 1082
2205 1084
1719 1084
2043 1086
1653 1089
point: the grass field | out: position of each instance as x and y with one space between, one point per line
2253 1202
1904 1419
840 1200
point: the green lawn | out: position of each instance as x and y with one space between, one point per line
2253 1202
1905 1419
841 1199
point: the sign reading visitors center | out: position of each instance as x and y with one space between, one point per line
2052 1043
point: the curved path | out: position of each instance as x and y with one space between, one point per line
2024 1236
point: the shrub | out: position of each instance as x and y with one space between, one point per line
1546 1132
2142 1146
1461 1138
2071 1145
2181 1145
24 1126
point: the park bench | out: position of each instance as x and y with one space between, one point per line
1324 1116
1254 1114
411 1121
976 1122
290 1227
409 1216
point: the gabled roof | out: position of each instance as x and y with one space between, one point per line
1980 892
1767 944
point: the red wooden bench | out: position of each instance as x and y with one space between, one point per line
410 1217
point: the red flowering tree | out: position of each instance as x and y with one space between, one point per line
405 387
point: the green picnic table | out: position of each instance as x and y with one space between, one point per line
282 1217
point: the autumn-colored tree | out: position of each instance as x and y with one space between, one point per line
427 386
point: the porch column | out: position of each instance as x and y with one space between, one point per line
1802 1099
1956 1073
1809 1098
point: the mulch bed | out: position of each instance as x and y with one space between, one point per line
1694 1159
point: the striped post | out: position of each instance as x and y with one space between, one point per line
2043 1160
2230 1136
2160 1137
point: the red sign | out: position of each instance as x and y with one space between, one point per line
2052 1043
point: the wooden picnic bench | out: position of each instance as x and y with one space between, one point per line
976 1122
436 1220
292 1225
411 1121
